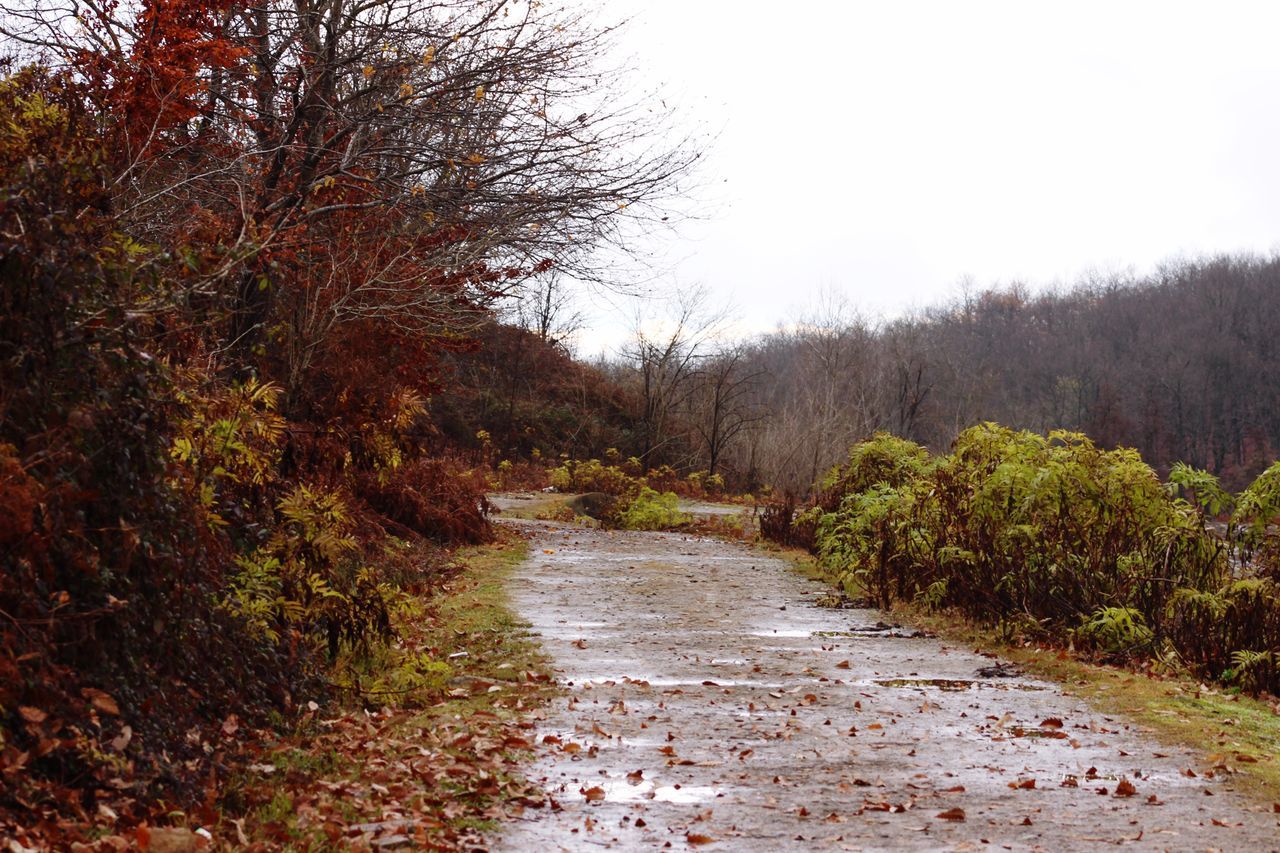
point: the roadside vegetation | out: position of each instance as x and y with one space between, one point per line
236 248
1053 539
283 297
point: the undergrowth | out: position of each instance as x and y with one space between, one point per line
1053 537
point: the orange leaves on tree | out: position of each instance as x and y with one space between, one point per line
162 82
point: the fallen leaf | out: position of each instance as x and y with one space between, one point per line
844 664
1051 723
1125 789
697 838
956 814
122 740
32 715
594 794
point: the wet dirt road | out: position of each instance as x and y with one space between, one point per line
709 703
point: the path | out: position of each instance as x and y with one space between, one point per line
707 698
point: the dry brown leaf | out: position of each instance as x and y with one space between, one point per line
956 814
32 715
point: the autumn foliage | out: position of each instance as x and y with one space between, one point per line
237 244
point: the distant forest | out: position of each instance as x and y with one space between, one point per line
1180 364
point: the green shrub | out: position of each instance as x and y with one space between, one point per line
883 459
1256 513
1058 536
1120 631
593 476
309 575
650 510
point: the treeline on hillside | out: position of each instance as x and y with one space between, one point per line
235 244
1183 365
533 400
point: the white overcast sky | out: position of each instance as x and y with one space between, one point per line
887 150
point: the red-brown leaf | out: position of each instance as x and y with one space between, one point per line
32 715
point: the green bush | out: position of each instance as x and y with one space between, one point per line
1064 538
1118 630
651 510
593 476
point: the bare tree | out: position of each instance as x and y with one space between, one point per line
721 406
663 355
548 308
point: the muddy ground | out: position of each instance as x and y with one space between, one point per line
710 702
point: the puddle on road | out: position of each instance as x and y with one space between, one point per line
955 684
713 683
878 632
623 791
1045 734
